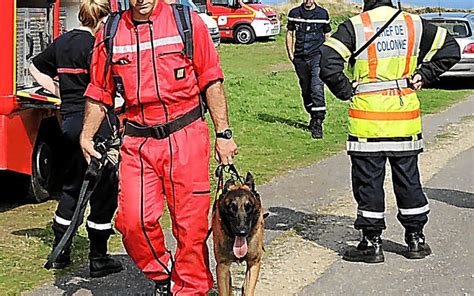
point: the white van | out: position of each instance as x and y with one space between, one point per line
209 21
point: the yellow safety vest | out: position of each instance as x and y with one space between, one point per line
384 114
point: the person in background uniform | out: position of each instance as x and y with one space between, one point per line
165 150
308 27
384 115
68 58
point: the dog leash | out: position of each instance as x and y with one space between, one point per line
221 170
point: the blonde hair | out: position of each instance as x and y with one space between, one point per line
91 12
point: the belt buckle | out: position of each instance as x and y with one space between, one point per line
160 131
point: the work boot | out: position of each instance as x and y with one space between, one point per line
100 263
369 250
103 265
316 127
163 288
64 259
417 246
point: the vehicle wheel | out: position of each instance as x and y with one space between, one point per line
244 35
42 175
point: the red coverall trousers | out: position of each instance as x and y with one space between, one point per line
175 169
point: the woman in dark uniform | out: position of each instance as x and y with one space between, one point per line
68 58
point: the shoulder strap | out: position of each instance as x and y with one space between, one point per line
110 29
182 15
377 34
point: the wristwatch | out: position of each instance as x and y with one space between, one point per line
225 134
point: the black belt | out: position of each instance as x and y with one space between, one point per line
162 131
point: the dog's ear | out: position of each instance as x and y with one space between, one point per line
227 185
250 182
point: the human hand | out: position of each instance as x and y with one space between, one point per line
417 82
225 150
87 146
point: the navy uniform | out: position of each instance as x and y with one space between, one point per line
68 58
310 27
385 115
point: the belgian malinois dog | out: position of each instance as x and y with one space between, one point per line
237 226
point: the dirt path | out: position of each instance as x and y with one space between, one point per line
301 257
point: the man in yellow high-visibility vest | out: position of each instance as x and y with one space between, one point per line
384 114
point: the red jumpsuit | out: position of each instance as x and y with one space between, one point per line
159 85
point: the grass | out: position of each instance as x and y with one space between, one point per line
269 124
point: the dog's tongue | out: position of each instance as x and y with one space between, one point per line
240 246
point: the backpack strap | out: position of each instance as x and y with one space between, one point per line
182 15
110 29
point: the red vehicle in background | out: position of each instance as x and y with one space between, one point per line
242 20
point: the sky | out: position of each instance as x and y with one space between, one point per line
461 4
465 4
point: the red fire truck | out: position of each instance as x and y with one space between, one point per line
29 117
242 20
29 125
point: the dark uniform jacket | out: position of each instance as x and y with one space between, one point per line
310 27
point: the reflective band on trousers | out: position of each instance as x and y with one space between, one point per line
380 86
404 115
384 146
369 214
308 21
97 226
147 45
318 108
62 221
415 211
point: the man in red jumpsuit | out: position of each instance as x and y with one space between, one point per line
165 151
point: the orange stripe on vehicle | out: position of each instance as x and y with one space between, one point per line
411 43
72 71
371 50
407 115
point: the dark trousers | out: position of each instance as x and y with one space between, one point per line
312 87
103 202
368 174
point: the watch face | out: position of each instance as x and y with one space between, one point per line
227 134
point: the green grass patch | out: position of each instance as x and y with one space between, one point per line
269 123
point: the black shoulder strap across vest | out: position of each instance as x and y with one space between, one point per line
371 40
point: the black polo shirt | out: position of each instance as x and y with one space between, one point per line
69 58
310 27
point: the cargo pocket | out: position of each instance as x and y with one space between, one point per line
201 189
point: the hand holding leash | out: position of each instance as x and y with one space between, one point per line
225 151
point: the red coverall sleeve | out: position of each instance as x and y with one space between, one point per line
206 60
101 89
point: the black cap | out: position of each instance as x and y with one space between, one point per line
371 4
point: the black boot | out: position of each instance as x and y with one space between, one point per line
417 246
163 288
316 127
369 250
103 265
100 263
64 259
